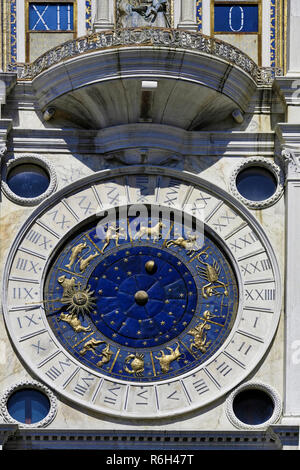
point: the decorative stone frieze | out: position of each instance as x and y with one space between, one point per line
134 37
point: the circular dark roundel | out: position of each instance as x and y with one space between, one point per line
28 180
253 406
256 183
149 312
28 405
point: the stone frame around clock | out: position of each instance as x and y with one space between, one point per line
185 178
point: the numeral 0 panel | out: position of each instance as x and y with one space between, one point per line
239 23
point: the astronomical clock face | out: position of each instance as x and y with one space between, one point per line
141 295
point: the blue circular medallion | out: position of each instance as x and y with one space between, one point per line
139 308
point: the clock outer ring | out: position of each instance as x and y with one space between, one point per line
186 178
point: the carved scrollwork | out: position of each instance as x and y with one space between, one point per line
154 36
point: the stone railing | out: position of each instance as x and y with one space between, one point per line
172 38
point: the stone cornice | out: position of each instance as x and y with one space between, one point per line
288 90
274 437
143 136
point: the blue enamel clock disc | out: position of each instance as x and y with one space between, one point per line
137 308
140 310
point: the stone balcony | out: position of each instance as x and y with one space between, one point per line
164 76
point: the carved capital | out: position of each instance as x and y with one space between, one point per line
291 163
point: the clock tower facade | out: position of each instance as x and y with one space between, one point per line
149 175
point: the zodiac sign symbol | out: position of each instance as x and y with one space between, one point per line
152 232
137 364
105 354
84 262
199 333
187 244
76 250
74 321
166 359
113 233
67 284
211 274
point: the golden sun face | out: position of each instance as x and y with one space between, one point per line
78 300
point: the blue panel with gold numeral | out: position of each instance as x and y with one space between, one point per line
139 308
50 16
236 18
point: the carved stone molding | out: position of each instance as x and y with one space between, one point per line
259 162
23 385
274 395
135 37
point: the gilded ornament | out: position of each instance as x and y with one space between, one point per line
113 233
141 297
84 262
105 354
150 267
74 322
199 332
165 360
66 283
79 300
210 273
76 250
136 364
189 244
150 232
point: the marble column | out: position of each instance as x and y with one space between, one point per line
288 134
188 19
292 366
289 139
103 17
